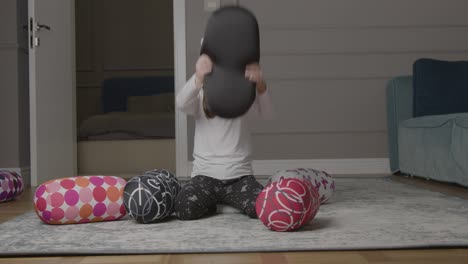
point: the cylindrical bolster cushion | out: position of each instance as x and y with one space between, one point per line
80 199
150 197
11 185
232 41
287 204
321 180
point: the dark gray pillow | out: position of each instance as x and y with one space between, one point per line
231 40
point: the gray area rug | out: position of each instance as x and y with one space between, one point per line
365 213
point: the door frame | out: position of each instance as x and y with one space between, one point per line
32 105
180 74
182 162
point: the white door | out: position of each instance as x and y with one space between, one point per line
52 89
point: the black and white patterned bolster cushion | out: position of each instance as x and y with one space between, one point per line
150 197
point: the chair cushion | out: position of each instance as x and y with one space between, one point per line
462 120
434 120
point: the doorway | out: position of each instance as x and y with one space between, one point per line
125 86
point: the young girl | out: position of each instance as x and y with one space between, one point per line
222 168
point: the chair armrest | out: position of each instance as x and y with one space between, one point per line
399 108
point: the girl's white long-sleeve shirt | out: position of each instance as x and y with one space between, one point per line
222 147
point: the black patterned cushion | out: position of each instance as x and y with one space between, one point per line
150 197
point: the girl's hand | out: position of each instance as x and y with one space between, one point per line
202 68
254 74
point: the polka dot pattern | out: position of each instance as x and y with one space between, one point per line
81 199
11 185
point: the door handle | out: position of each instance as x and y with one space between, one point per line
42 26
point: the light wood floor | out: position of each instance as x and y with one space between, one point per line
446 256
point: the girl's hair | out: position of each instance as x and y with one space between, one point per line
208 113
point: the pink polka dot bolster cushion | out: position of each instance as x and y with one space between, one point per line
11 185
81 199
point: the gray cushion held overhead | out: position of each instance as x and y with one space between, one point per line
232 42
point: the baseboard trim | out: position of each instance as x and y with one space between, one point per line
25 173
332 166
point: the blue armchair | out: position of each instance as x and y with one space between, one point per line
431 146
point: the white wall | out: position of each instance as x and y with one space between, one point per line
327 63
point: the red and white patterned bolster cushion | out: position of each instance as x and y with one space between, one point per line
11 185
321 180
80 199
